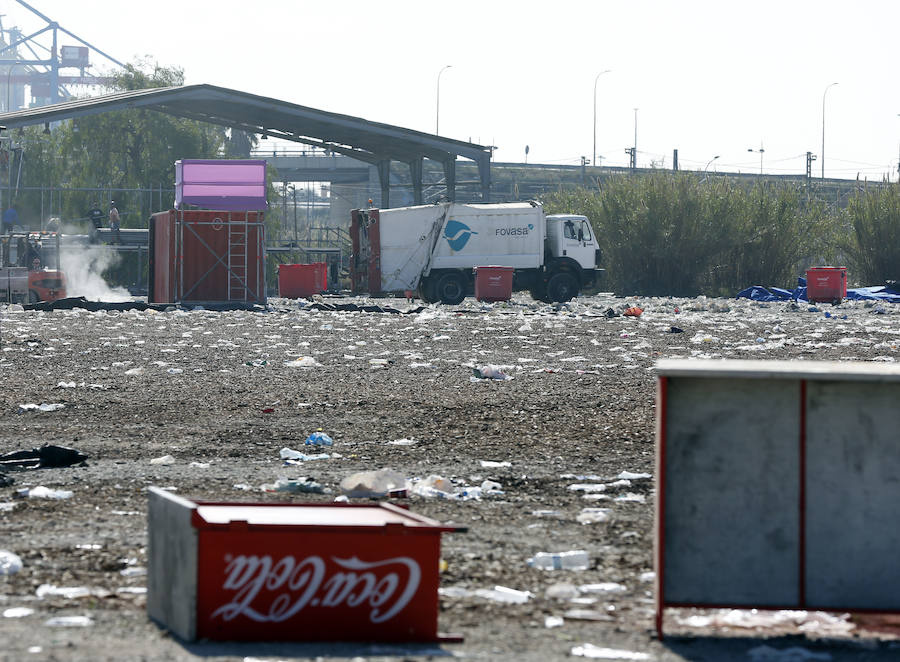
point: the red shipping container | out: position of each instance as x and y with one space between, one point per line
201 256
292 572
493 283
297 281
827 284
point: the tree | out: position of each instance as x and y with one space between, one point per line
128 149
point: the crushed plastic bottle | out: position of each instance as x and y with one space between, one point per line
319 438
572 560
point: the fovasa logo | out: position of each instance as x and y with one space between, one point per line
457 234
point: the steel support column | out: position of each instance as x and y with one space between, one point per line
484 173
450 178
384 177
415 174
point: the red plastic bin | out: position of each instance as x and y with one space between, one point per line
827 284
493 283
301 280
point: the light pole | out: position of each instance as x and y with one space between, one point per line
710 161
822 153
594 153
761 151
437 118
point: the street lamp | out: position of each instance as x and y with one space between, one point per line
761 151
437 119
822 153
594 153
710 161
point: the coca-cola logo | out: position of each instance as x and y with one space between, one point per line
301 583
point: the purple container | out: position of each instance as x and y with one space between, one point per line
231 185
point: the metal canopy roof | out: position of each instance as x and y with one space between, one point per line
371 142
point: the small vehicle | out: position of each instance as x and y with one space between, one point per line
29 267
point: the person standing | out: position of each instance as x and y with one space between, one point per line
96 216
114 221
10 219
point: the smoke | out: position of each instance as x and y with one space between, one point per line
84 267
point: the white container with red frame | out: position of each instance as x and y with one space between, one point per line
292 572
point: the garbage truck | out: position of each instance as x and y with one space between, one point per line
433 250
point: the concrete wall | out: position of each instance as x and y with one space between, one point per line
741 446
172 563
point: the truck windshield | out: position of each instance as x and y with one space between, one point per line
579 230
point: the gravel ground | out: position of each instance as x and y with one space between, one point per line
214 390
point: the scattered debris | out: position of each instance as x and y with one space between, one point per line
504 594
374 484
41 492
290 456
319 438
598 653
17 612
489 372
553 621
69 621
10 563
303 362
573 560
299 485
594 515
792 654
45 457
44 406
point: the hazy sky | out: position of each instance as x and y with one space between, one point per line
707 78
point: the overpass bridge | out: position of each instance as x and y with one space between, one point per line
315 166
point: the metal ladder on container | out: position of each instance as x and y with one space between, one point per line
237 260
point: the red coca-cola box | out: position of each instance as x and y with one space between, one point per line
292 572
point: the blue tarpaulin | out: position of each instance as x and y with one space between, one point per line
760 293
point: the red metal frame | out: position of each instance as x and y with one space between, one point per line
801 593
662 388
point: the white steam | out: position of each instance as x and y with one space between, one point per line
84 266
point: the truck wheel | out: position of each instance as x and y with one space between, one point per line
562 287
426 290
538 292
451 289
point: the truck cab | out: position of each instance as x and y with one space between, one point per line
571 258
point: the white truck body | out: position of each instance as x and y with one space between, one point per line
508 235
408 248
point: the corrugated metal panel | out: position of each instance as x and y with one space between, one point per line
209 256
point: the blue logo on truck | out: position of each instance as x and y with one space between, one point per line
457 234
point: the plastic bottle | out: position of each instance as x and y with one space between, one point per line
572 560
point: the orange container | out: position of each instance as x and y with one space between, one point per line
826 284
493 283
301 280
